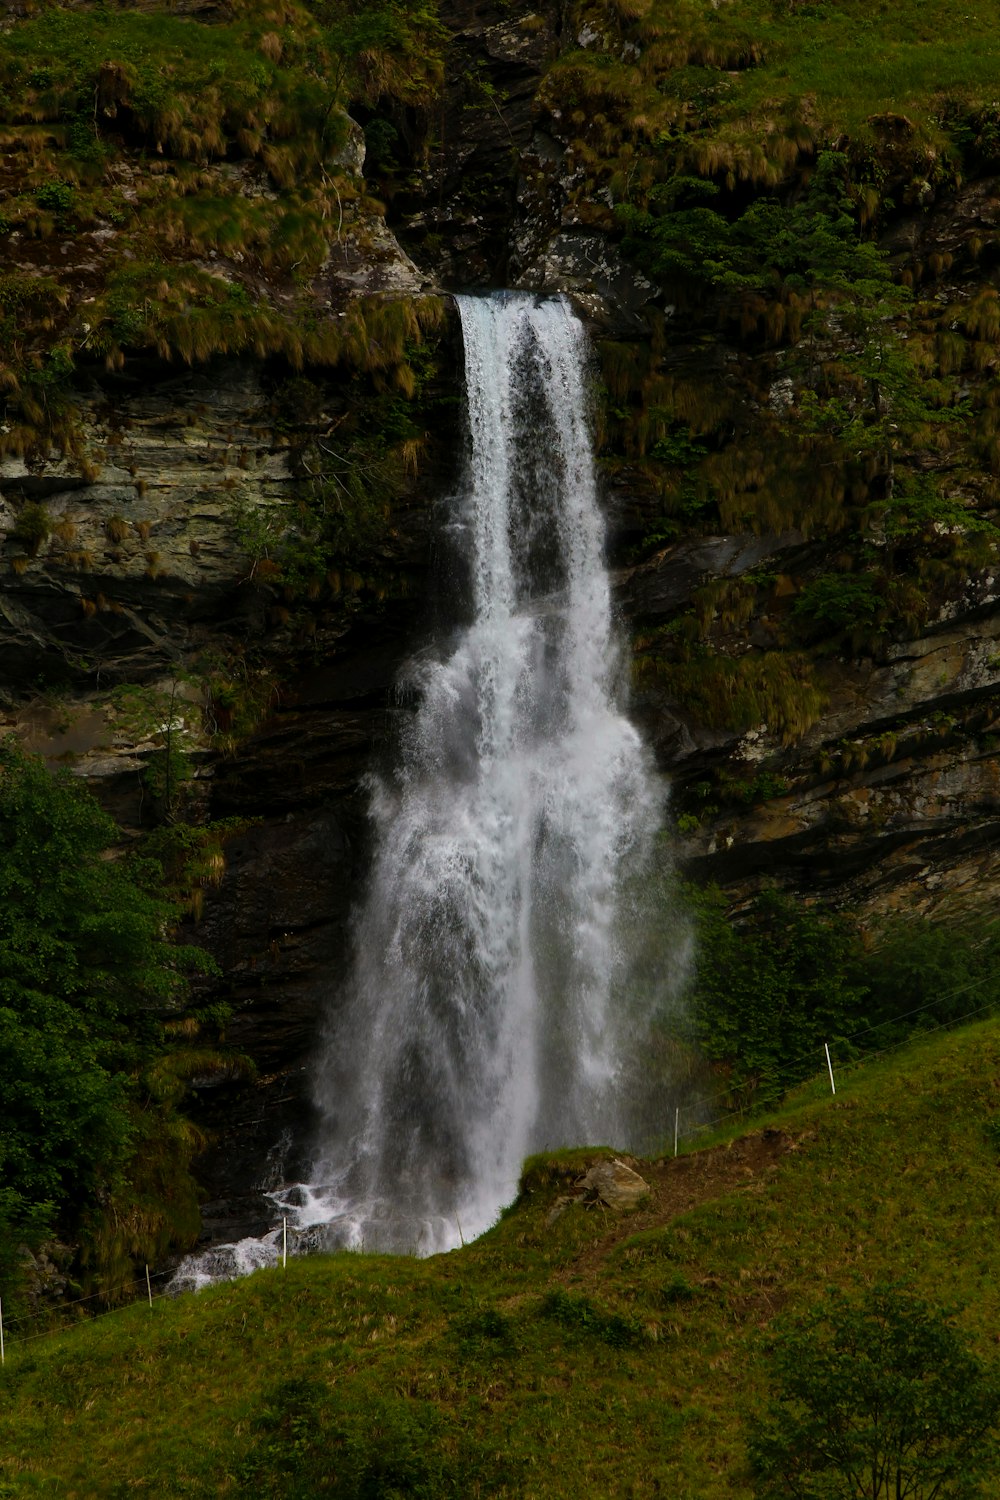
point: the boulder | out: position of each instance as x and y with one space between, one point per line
613 1184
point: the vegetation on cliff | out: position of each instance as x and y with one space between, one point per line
97 1036
177 186
800 183
776 981
182 187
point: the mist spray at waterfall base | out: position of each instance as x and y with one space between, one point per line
502 991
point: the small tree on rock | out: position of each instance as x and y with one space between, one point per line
877 1398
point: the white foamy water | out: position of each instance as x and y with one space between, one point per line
491 1011
226 1262
486 1017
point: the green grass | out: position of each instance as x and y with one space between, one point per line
592 1355
840 63
748 91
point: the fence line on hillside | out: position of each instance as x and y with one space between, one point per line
141 1288
850 1065
852 1036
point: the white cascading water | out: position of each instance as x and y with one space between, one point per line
492 1010
486 1018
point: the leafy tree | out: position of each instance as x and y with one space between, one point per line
855 609
86 975
771 989
877 1398
928 973
774 982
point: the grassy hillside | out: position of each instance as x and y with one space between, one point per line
593 1354
746 85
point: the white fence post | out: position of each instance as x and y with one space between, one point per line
829 1064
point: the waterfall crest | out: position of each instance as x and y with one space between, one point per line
489 1013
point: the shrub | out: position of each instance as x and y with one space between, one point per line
772 988
86 973
58 197
839 603
33 527
876 1398
774 983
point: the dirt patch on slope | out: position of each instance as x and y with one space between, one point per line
679 1184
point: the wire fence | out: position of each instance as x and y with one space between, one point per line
66 1316
803 1068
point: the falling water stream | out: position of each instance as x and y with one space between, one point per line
491 1012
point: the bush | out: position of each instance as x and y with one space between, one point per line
840 602
311 1440
775 983
32 528
57 197
86 973
772 988
876 1398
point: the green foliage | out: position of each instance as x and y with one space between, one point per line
741 94
192 108
197 91
32 527
241 697
918 510
184 312
381 139
761 787
86 974
581 1315
58 197
775 982
187 86
392 1447
343 510
486 1331
776 688
680 454
807 244
339 520
355 1375
154 714
22 1226
838 602
877 1397
930 973
798 273
677 448
771 989
389 47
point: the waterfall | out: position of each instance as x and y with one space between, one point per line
489 1014
508 956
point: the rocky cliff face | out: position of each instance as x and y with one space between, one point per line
148 610
877 787
138 629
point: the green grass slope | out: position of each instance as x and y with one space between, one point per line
586 1353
